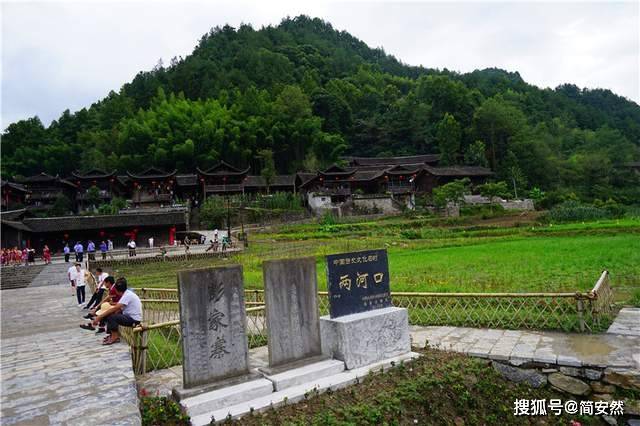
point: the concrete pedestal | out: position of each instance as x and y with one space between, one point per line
366 338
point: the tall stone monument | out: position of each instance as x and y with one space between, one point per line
213 323
291 302
362 328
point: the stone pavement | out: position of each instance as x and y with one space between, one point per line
627 322
521 347
52 371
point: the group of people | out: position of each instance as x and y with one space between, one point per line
105 247
111 305
14 256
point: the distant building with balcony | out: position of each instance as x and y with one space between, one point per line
385 184
107 186
151 188
44 189
13 195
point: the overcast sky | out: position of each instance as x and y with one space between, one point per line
59 55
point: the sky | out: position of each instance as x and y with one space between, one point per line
68 55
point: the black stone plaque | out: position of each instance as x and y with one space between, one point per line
358 282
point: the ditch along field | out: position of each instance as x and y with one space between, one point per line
510 253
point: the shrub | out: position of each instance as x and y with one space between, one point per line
161 411
574 211
411 234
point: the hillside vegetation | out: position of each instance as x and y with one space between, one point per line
312 94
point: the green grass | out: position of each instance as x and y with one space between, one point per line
471 258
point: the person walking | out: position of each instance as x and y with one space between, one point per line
132 248
103 250
150 242
70 275
46 255
91 250
79 249
67 252
78 278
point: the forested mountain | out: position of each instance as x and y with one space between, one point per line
312 94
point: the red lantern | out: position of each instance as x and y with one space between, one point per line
102 233
66 236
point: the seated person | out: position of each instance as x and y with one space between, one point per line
111 299
127 312
100 287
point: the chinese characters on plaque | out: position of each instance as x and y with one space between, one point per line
212 317
358 282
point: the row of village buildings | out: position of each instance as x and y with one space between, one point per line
159 201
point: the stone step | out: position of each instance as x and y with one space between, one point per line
300 392
231 395
304 374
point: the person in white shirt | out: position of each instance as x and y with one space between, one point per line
70 273
150 242
127 312
132 248
78 278
97 296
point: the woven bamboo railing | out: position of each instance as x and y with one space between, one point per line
157 343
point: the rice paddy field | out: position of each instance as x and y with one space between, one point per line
512 253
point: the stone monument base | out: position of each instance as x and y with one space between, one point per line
298 373
367 337
209 398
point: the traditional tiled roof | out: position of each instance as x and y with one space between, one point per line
151 173
13 214
93 174
390 161
16 225
303 177
223 169
458 171
187 180
72 223
45 178
367 175
336 170
403 170
13 185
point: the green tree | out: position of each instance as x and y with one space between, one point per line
61 206
93 196
452 192
448 134
498 123
268 171
475 155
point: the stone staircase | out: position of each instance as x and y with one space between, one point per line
18 276
52 274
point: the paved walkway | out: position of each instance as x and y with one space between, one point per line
520 347
52 371
627 322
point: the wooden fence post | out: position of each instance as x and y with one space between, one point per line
580 304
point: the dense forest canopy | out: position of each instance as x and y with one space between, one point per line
312 94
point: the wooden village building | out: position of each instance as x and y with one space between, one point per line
159 201
44 190
14 195
107 185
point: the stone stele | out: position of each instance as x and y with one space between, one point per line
213 324
291 303
367 337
